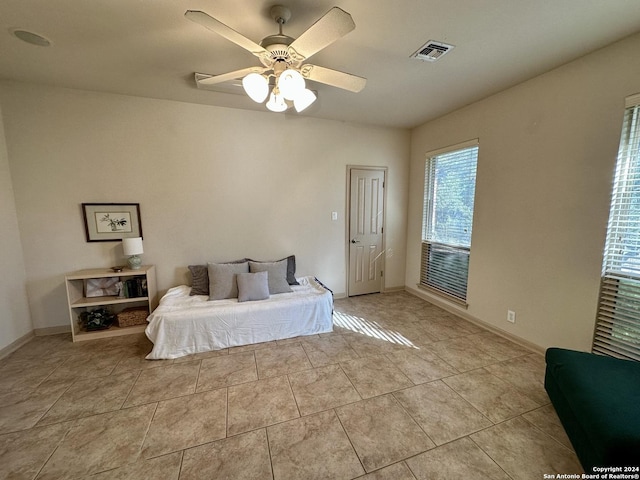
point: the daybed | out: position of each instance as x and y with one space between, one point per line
598 401
184 324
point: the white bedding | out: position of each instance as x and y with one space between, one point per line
184 324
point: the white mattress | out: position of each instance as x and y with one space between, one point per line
184 324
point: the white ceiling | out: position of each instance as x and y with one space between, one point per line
147 48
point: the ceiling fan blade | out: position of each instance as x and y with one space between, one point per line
334 78
335 24
204 80
210 23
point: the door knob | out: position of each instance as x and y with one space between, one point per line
353 240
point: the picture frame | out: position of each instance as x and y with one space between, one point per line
111 222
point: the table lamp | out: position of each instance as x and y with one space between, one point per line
132 247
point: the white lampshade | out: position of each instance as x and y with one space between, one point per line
132 246
276 103
290 84
256 86
305 98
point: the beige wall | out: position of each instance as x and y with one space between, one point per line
15 321
213 184
545 167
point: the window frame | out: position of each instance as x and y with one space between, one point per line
617 326
456 253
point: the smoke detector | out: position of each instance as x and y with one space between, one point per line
432 51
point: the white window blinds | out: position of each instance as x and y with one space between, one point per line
450 179
618 322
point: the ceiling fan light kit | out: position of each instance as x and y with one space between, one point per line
283 57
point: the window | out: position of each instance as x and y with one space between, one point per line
449 188
617 331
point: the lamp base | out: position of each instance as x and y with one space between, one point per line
135 262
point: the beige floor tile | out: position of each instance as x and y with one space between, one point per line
375 376
135 363
421 366
285 341
497 346
91 396
327 350
251 347
442 413
441 330
202 355
280 360
465 325
166 467
321 389
525 373
43 348
525 452
88 364
312 447
546 419
496 399
162 383
98 443
372 343
459 459
226 370
241 457
25 375
22 454
186 422
397 471
259 404
462 353
23 409
382 432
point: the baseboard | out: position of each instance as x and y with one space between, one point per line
41 332
13 346
339 295
393 289
454 309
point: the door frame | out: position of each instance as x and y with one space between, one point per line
347 218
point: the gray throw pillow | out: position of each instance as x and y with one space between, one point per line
222 279
200 277
277 274
199 280
291 268
253 286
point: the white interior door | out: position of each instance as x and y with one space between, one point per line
366 220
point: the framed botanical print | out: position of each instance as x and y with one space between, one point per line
111 222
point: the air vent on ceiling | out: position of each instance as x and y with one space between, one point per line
432 51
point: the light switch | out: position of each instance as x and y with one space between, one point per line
334 215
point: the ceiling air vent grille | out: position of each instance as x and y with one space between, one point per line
432 51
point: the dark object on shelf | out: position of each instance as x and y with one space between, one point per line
98 319
117 269
135 287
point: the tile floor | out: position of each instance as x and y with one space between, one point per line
400 390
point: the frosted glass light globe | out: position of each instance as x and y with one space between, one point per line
276 103
305 98
256 86
290 84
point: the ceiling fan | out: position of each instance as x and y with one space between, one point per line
283 69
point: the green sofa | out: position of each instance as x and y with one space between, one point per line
598 401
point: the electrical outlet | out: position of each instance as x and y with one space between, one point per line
511 316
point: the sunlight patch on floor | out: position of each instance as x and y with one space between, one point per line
370 329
